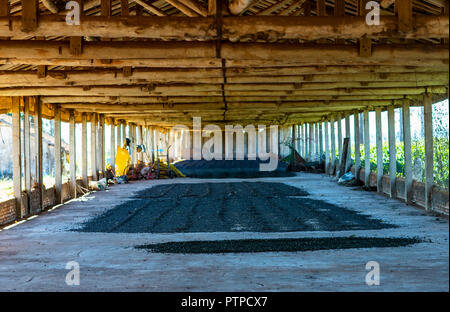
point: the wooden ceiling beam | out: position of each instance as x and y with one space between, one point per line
74 78
233 28
56 53
232 90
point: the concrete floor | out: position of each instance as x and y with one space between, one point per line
33 255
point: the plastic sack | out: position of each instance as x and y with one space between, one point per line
349 176
123 161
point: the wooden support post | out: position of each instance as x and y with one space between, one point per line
27 152
101 145
311 142
305 141
119 134
406 121
94 162
379 147
58 156
84 170
29 15
133 144
405 15
343 160
327 147
72 155
348 159
105 7
320 139
4 8
428 124
16 156
340 141
333 146
124 133
139 142
357 144
366 149
392 152
38 147
321 8
113 146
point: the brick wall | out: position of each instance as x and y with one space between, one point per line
7 211
32 205
439 197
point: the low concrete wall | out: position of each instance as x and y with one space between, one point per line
8 211
31 205
439 196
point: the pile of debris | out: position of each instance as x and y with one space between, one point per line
298 163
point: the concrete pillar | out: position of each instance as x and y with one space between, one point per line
366 149
311 142
84 169
72 155
333 146
139 142
392 152
305 141
16 155
348 161
316 141
327 146
27 151
406 127
119 140
124 134
320 139
58 156
113 145
101 145
357 145
38 146
379 147
428 125
340 142
94 162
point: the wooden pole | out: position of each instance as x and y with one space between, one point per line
428 124
101 146
124 133
357 144
94 162
406 121
16 152
72 155
366 149
58 156
340 142
305 141
39 153
311 142
379 146
327 147
333 146
27 153
392 152
113 146
348 160
84 169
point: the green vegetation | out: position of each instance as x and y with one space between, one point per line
440 156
